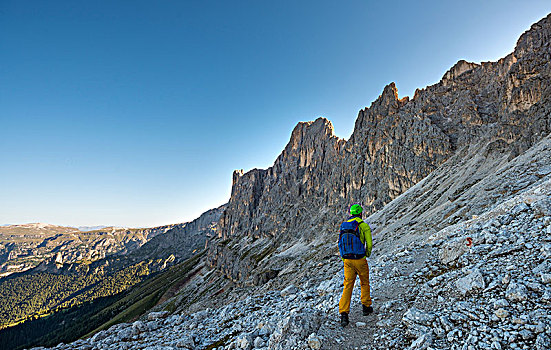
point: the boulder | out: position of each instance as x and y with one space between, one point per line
423 342
152 316
516 292
471 284
314 342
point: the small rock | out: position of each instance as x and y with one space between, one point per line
516 292
445 321
157 315
99 336
314 342
536 287
458 317
501 313
506 279
544 267
289 290
258 342
471 283
519 208
523 319
423 342
186 342
526 334
546 278
244 342
540 327
501 303
125 334
264 331
361 324
138 327
326 287
415 315
543 342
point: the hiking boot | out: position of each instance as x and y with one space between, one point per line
344 319
367 310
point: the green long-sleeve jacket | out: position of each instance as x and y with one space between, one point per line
365 234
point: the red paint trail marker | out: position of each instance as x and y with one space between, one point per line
469 242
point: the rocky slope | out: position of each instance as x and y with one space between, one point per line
458 182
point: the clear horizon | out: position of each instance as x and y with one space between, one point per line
135 114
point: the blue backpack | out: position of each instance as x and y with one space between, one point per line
350 245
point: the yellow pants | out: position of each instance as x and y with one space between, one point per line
352 268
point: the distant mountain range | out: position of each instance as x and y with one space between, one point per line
80 228
25 246
91 228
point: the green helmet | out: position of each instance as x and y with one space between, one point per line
356 209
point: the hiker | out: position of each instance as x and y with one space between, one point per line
355 246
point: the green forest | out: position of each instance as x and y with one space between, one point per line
32 296
59 308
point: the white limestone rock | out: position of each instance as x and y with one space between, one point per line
289 290
501 313
314 342
471 284
157 315
516 292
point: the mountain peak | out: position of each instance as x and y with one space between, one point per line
389 95
321 127
389 99
534 39
457 69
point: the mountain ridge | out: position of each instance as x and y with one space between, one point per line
25 246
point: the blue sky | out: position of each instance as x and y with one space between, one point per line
135 113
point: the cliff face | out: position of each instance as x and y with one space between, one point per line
262 200
183 240
501 106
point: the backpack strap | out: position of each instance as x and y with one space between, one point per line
356 217
359 223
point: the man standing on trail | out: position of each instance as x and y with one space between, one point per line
355 245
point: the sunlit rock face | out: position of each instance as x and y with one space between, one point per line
501 106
